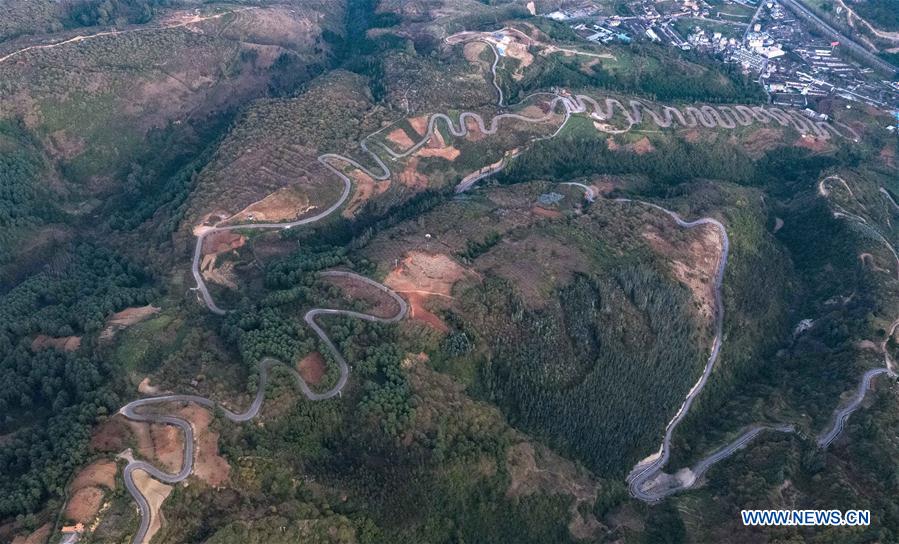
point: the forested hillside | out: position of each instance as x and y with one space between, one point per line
50 398
550 317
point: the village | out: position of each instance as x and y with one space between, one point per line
795 56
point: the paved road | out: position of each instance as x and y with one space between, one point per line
648 470
133 410
648 482
117 32
636 112
842 414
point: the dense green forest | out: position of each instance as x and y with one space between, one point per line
883 14
50 399
110 12
579 374
23 201
672 162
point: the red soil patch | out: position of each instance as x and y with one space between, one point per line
543 212
84 504
399 137
100 472
126 318
419 124
366 188
62 343
161 444
436 140
209 466
422 275
285 204
411 177
888 156
168 445
164 444
694 263
111 436
418 312
762 140
86 492
38 537
474 131
312 368
642 146
692 136
380 303
222 241
449 153
812 143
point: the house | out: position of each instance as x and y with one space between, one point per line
69 529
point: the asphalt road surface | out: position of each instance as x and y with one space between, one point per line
635 113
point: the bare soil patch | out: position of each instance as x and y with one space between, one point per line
399 137
377 302
539 470
813 143
156 492
411 177
160 444
888 155
126 318
366 188
285 204
223 275
436 140
536 265
418 312
694 263
419 124
642 146
209 466
144 387
84 504
420 276
62 343
519 51
473 51
543 212
39 536
87 491
222 241
168 445
603 185
449 153
98 473
761 140
474 130
111 436
312 368
692 136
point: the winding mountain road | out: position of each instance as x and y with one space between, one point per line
636 112
647 481
118 32
132 409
